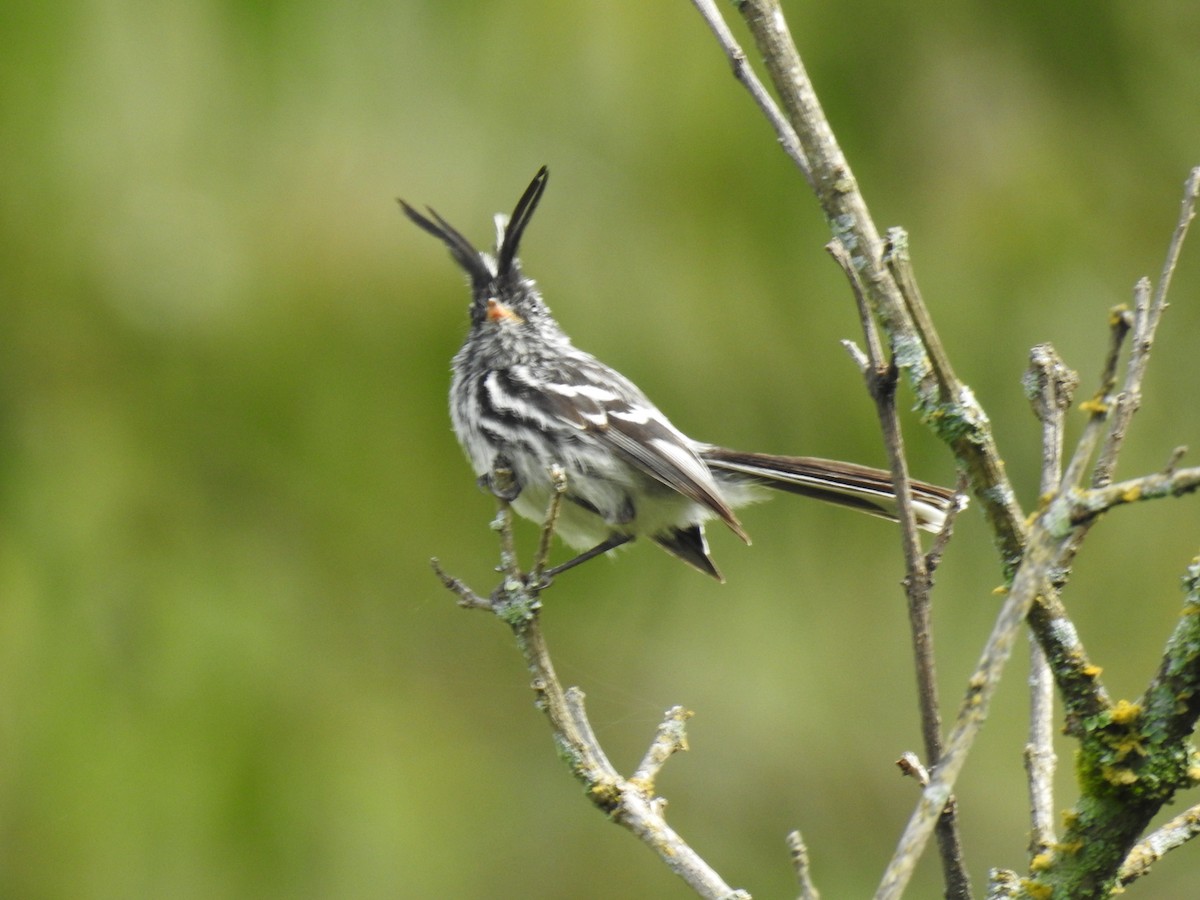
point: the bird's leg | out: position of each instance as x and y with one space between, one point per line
558 490
613 542
501 481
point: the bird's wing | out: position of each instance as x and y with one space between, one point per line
601 402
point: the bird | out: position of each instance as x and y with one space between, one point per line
524 400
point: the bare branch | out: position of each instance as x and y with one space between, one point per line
941 540
467 598
1181 829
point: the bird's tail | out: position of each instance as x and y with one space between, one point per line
845 484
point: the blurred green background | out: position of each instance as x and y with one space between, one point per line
225 667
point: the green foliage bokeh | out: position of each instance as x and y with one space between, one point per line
225 667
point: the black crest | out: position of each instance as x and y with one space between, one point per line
464 252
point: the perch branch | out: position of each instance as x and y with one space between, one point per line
629 802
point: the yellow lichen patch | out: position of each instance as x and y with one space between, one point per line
1119 777
1041 862
1125 712
1127 745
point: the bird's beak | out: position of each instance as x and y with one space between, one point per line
498 312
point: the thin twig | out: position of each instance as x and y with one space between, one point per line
1145 328
744 73
941 540
874 355
502 525
671 738
910 764
952 398
467 598
899 263
799 852
1120 323
1050 385
881 383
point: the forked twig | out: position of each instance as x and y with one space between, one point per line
630 802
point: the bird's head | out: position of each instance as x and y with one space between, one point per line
501 297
